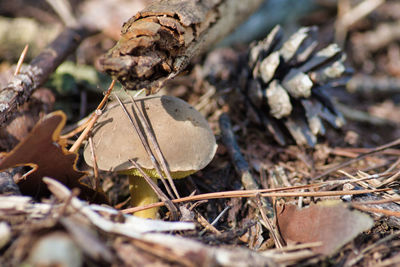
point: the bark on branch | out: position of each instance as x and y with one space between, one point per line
159 42
41 67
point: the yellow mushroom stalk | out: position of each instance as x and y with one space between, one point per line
141 195
183 134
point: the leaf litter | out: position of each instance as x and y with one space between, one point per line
97 233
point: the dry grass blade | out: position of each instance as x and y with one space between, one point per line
377 210
95 169
361 156
156 147
272 228
171 207
145 145
381 201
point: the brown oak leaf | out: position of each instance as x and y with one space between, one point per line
43 152
329 222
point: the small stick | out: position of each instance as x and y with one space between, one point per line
252 193
21 59
241 166
207 225
84 134
92 120
79 128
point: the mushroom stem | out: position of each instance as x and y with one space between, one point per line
142 194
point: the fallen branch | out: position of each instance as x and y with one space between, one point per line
34 75
159 42
241 166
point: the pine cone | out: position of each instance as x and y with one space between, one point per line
286 82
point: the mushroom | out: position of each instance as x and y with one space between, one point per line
183 134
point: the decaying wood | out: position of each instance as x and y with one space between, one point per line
159 42
41 67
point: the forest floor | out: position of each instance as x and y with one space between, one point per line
333 204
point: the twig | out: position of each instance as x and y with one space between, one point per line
376 210
92 120
207 226
241 166
84 134
7 183
380 201
253 193
24 84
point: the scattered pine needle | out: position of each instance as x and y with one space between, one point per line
377 210
92 120
21 60
253 193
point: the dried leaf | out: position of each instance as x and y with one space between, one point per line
42 151
329 222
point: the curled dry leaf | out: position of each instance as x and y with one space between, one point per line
42 151
329 222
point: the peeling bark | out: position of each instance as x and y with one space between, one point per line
159 42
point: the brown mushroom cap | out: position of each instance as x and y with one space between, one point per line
183 134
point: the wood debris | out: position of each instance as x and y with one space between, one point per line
159 42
